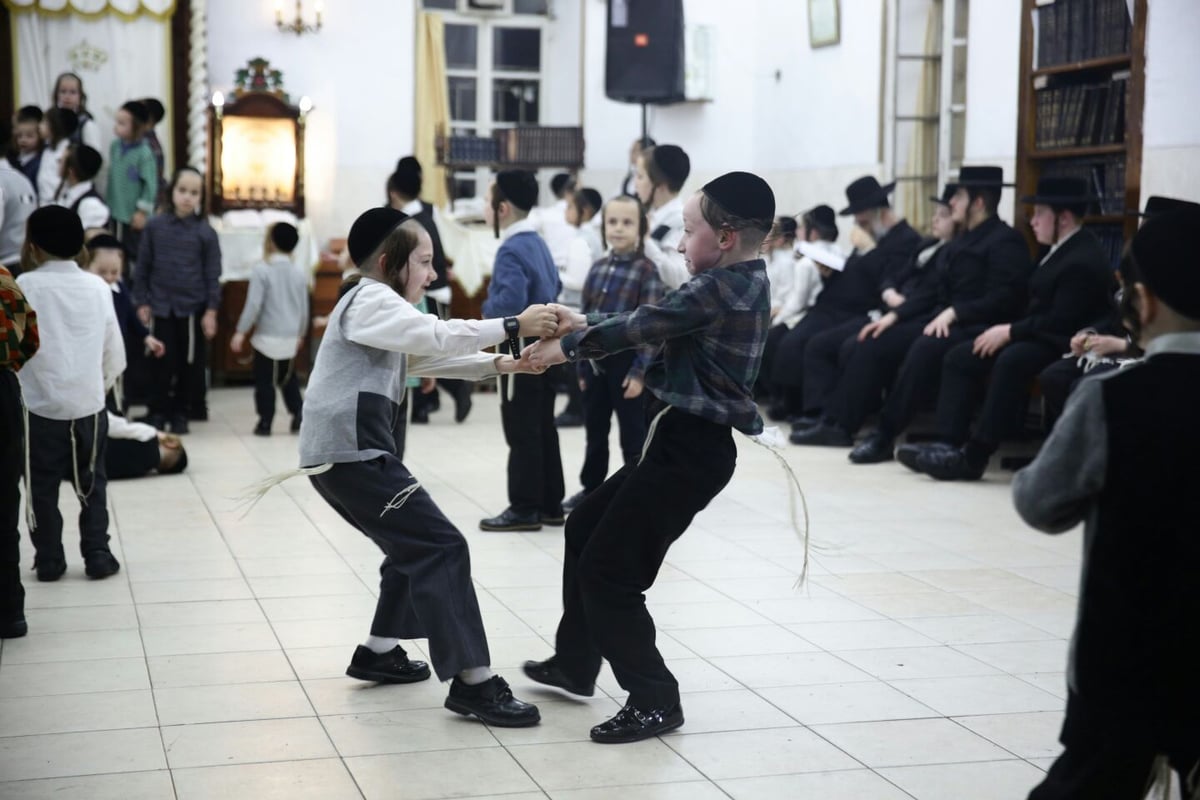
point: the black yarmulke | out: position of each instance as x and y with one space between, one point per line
369 231
89 161
823 215
518 187
284 236
744 195
673 163
1162 250
104 242
137 110
57 230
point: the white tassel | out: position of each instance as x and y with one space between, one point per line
401 497
30 518
249 498
772 439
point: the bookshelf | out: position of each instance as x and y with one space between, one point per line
1083 76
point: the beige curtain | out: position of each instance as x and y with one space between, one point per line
923 149
432 117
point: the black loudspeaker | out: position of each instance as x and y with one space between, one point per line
644 62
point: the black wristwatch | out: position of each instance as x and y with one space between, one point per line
512 327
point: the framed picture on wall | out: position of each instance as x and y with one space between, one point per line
823 25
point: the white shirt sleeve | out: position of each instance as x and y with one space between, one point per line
579 263
801 295
93 213
471 367
666 256
380 318
122 428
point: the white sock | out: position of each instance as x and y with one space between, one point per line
380 644
473 676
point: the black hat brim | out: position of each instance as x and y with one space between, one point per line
1059 200
879 201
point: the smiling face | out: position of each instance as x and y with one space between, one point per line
185 195
700 244
420 269
107 264
621 225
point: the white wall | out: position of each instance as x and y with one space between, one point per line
1171 135
993 83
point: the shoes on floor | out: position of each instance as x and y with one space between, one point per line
572 502
49 569
179 424
554 518
394 666
875 449
634 724
13 625
420 416
295 426
100 564
509 520
949 465
803 422
462 401
822 435
907 454
550 674
568 420
491 702
262 428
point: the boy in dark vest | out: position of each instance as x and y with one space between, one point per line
1122 461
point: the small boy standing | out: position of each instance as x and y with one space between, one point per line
524 275
76 192
1121 460
80 358
132 175
27 137
712 330
277 309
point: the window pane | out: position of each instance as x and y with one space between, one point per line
530 7
462 46
462 99
517 48
515 101
448 5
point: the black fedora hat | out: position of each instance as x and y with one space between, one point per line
1157 204
947 192
865 194
980 177
1061 192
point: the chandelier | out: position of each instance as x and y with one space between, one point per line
297 26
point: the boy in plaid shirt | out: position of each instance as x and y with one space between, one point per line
712 330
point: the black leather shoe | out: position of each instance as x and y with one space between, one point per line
262 429
295 426
179 424
462 401
803 422
907 454
100 564
876 449
633 724
509 520
491 702
420 416
822 435
13 626
549 673
49 569
949 465
394 666
554 518
568 420
572 502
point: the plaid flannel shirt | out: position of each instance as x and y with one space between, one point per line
18 324
619 283
713 329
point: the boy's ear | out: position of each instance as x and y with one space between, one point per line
1147 305
727 239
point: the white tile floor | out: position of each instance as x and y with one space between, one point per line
923 660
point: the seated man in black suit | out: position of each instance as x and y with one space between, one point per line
1072 286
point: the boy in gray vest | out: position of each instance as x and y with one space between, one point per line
348 448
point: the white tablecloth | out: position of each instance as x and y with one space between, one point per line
242 234
473 248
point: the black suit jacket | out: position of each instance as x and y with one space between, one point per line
859 287
1069 291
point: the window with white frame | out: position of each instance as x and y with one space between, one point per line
494 55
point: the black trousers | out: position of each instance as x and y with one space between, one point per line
535 474
602 395
774 336
824 358
178 379
1058 380
129 458
58 451
269 375
616 540
787 374
869 370
1005 397
12 462
425 588
920 375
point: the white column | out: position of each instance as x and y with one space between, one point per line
198 98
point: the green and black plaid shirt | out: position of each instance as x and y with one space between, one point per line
712 330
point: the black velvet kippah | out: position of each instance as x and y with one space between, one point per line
285 236
104 242
57 230
744 195
369 231
518 187
1162 249
673 163
89 160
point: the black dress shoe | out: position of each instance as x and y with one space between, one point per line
907 454
295 426
100 564
462 401
179 424
13 626
572 502
394 666
491 702
949 465
803 421
549 673
509 520
634 724
420 416
262 429
822 435
876 449
49 569
568 420
554 518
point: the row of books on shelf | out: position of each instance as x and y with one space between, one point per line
1081 115
1106 176
530 146
1112 239
1079 30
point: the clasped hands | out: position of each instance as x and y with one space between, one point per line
549 323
